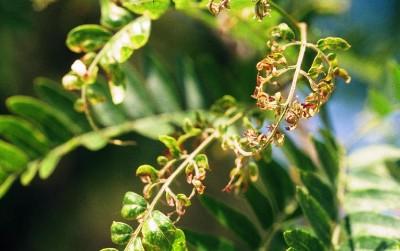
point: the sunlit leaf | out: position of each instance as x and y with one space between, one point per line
158 232
373 200
179 243
114 16
333 43
120 233
373 224
121 46
300 240
133 205
87 37
171 144
372 243
6 184
152 8
30 173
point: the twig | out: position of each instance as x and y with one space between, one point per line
177 171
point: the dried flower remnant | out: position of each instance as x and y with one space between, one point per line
321 78
216 8
262 9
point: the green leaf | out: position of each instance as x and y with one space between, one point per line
105 112
300 240
87 38
158 232
6 184
373 224
328 158
151 8
261 206
372 155
52 93
116 82
138 102
160 86
121 46
191 86
153 127
133 206
56 125
3 175
179 243
297 156
372 243
113 16
12 159
92 141
318 218
30 173
202 161
203 242
372 200
232 220
379 103
395 69
120 233
333 43
322 192
109 249
136 245
277 180
24 135
330 140
283 31
394 169
171 144
48 164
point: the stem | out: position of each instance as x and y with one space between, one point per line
86 109
172 177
